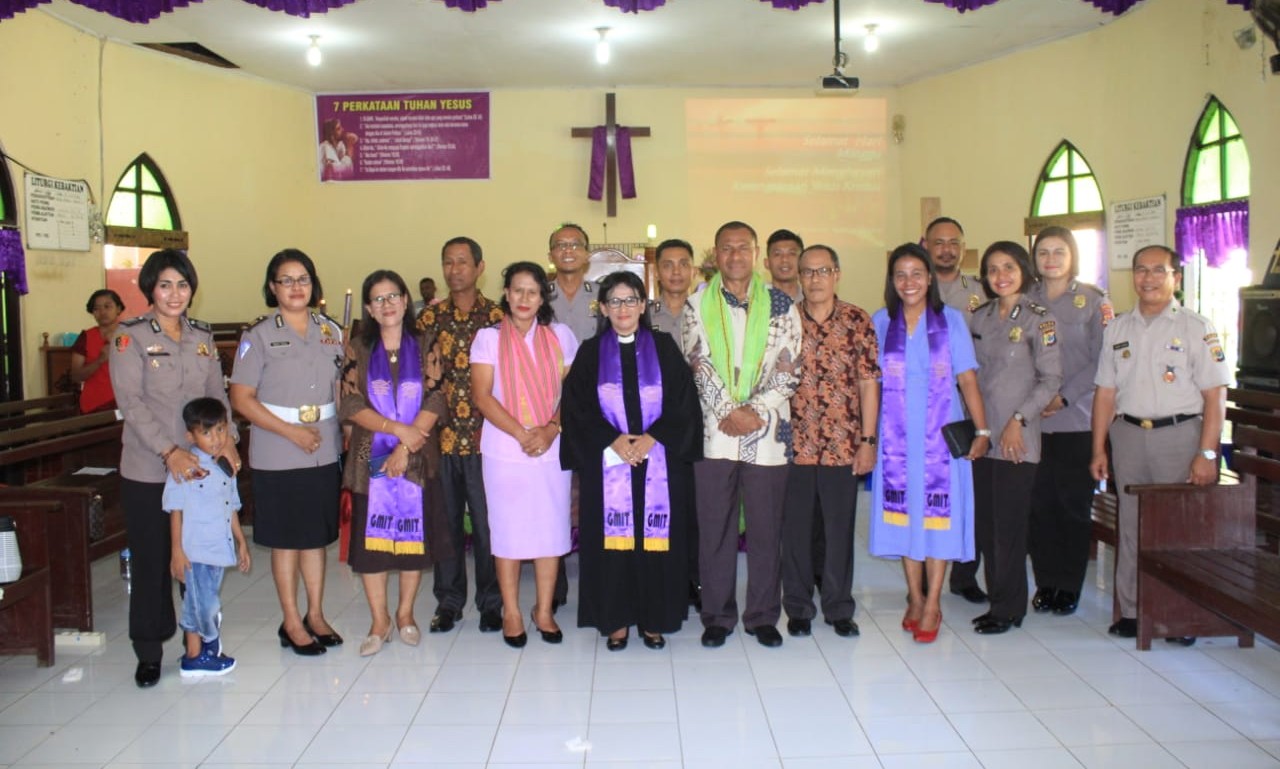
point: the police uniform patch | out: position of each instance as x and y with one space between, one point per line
974 302
1108 312
1079 302
1049 333
1015 334
594 307
122 342
202 349
1217 353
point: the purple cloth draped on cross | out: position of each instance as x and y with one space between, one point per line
599 160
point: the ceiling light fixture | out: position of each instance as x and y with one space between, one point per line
871 43
602 46
314 57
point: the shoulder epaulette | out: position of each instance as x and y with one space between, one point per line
200 325
257 321
1038 309
1093 288
133 321
977 307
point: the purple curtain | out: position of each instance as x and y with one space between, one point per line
790 5
1114 7
301 8
963 5
470 6
134 11
9 7
1217 229
635 6
12 260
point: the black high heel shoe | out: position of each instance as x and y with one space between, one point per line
617 644
309 650
551 637
653 640
515 641
324 639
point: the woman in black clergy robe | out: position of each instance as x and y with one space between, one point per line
632 427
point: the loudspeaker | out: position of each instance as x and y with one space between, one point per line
1259 359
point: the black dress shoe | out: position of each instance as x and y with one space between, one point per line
147 675
548 636
845 628
766 635
799 627
324 639
305 650
978 620
1186 640
1125 628
695 595
516 641
490 621
1045 599
714 636
1066 603
997 625
617 644
653 640
972 594
444 620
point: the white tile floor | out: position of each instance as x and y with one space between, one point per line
1057 693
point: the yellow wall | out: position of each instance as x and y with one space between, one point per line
240 155
1128 95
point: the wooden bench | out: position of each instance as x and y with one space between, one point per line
1104 516
1200 571
28 412
26 616
49 449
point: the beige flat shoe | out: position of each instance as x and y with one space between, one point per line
371 645
410 635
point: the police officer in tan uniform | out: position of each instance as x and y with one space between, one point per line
1019 372
159 362
1160 397
573 298
674 259
944 240
1058 541
285 384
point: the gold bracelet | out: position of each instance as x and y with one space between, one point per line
383 429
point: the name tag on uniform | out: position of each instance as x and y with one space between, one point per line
280 344
155 349
1119 346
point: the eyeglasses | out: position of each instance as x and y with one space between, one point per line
1158 272
821 272
568 245
289 281
392 298
615 302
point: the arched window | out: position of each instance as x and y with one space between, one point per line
141 217
142 199
1067 195
1212 227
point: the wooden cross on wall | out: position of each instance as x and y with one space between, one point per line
611 144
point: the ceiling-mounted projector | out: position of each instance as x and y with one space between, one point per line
837 84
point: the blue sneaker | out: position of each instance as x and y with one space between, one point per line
207 664
213 647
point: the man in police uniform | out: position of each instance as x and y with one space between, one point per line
1162 378
944 240
576 305
572 296
675 278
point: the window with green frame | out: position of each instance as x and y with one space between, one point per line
1217 167
142 199
1067 185
8 211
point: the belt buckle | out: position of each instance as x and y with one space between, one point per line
308 414
1146 424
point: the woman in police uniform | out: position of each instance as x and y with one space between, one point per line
1058 541
284 383
1020 371
159 361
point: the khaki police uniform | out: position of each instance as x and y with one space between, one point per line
662 318
579 313
1159 368
295 378
964 293
153 377
1020 370
1063 493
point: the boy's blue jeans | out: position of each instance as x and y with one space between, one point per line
201 604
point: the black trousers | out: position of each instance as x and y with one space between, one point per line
819 499
151 616
1002 509
1060 519
721 485
463 484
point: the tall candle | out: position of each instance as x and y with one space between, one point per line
346 311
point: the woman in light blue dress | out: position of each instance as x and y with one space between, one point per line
923 498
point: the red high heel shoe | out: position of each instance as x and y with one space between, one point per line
923 636
910 625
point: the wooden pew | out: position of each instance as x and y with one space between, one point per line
26 618
28 412
1200 571
49 449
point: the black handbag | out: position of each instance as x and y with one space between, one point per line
959 437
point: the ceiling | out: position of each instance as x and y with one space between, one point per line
389 45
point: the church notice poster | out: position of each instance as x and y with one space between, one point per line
57 213
403 136
1132 224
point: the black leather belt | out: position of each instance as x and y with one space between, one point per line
1152 424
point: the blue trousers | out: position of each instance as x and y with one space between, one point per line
201 603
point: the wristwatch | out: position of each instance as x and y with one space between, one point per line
1209 454
1021 419
870 440
983 433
